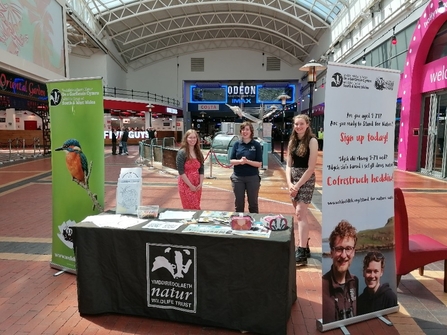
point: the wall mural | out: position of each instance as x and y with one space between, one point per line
34 30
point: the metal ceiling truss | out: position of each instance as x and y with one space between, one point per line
202 46
135 9
148 31
157 43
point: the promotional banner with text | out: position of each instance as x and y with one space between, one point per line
358 278
77 159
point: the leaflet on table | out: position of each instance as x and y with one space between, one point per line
113 220
264 233
128 195
209 216
207 229
176 215
164 225
222 230
131 173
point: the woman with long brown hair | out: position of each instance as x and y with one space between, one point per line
300 175
191 170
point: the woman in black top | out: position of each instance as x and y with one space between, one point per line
302 158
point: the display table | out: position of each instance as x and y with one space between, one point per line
227 281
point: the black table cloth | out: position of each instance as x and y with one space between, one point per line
227 281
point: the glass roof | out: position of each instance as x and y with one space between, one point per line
326 9
103 5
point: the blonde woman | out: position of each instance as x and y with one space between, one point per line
191 170
302 158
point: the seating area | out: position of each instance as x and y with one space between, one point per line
413 251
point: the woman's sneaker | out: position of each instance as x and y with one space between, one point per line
300 256
308 249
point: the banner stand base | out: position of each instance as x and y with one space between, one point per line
62 269
58 273
385 321
341 324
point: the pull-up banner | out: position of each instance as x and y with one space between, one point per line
77 158
359 275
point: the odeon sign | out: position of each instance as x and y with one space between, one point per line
132 134
238 90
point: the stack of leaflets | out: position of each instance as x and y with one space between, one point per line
128 192
215 216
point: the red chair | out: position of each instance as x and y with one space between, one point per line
413 251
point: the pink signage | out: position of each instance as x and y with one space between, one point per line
435 75
417 78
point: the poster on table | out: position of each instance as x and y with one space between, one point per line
77 159
359 278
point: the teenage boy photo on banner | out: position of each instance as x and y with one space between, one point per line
77 159
359 276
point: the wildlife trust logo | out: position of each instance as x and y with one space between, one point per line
337 79
171 277
55 97
382 84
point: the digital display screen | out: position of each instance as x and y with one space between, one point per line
271 94
209 94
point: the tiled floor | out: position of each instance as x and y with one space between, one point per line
34 301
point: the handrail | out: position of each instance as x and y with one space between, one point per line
17 149
141 95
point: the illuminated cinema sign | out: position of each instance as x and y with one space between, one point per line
209 97
247 90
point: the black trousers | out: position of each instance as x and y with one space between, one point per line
114 147
249 185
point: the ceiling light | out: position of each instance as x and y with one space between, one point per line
393 38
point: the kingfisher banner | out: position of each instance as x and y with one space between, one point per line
359 273
77 158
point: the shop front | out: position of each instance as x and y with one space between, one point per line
24 116
421 145
138 117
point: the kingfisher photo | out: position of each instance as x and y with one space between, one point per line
78 167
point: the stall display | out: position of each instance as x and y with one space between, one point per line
203 273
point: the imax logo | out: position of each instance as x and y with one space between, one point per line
238 101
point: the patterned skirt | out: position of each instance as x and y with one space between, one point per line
306 191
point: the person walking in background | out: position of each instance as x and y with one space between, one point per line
151 133
300 176
113 141
190 167
340 288
320 139
246 158
375 296
123 142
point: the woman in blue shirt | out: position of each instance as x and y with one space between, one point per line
246 158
